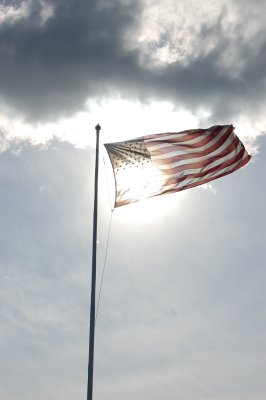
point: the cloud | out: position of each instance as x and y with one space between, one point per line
182 306
42 231
52 68
57 55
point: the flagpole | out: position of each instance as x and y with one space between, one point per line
93 273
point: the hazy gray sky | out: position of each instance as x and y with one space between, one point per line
182 312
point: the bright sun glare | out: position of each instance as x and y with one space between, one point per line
139 183
143 211
151 210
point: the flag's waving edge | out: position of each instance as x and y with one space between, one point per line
171 162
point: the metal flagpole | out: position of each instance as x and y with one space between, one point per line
93 273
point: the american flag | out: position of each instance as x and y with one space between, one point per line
170 162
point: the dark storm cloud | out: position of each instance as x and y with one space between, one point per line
53 67
49 68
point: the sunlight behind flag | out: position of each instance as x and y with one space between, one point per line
143 181
170 162
135 176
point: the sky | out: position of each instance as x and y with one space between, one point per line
182 307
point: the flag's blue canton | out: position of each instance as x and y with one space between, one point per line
128 154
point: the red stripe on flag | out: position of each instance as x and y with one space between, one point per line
174 144
191 155
203 181
203 163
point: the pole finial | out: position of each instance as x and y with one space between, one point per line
98 128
